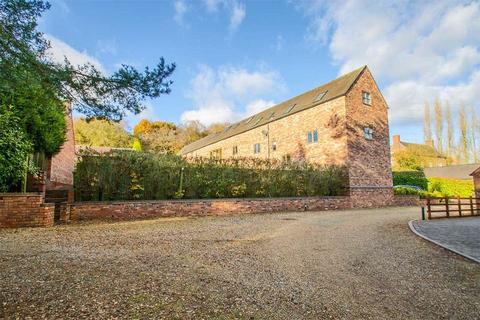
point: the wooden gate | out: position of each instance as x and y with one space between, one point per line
452 207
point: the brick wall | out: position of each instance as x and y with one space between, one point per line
25 210
407 200
288 133
60 175
368 161
185 208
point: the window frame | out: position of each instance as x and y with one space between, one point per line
315 136
366 100
235 150
309 137
256 148
368 133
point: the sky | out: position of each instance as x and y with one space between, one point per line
235 58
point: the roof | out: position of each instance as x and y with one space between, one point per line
326 92
425 149
461 171
476 171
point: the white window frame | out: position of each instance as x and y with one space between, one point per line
368 133
366 98
256 148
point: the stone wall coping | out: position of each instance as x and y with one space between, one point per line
80 203
20 194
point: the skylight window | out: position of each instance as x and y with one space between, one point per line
272 115
257 121
320 96
249 119
290 108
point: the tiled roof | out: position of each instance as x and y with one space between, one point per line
424 149
326 92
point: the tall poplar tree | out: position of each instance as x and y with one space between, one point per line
427 124
450 133
438 126
463 143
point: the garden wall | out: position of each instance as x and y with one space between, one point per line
185 208
407 200
216 207
25 210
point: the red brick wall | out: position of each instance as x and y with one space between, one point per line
368 161
63 163
182 208
25 210
407 200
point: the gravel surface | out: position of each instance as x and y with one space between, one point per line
312 265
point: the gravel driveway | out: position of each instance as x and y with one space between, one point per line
311 265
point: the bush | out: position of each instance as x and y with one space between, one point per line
14 151
443 187
127 175
411 178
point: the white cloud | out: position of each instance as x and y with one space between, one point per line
237 15
257 106
234 8
180 9
59 50
418 50
228 93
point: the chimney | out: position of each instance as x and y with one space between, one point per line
429 142
396 143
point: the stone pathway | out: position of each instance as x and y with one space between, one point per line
460 235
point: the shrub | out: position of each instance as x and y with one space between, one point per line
14 151
127 175
450 187
411 178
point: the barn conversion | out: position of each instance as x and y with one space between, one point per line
344 122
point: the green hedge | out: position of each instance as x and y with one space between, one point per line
410 178
124 175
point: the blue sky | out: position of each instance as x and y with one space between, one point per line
237 57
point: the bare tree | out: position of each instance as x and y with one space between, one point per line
473 130
449 120
438 126
463 134
427 125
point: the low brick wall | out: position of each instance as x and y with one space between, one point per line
406 200
25 210
184 208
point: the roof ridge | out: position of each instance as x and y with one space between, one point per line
331 92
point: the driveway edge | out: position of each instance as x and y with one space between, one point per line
412 228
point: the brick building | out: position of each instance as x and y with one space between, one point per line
429 156
342 122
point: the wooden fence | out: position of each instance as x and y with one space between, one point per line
452 207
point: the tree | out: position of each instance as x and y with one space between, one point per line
427 126
191 131
448 118
23 51
15 149
474 127
35 88
407 160
463 134
438 126
101 133
217 127
157 136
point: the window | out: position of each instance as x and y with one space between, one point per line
315 135
249 119
368 133
257 121
287 158
312 136
290 108
216 154
320 96
256 148
274 146
235 150
366 98
272 115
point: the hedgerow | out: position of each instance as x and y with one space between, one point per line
125 175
